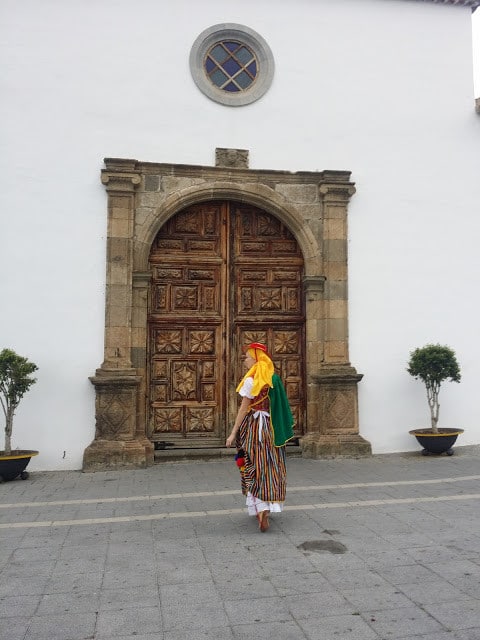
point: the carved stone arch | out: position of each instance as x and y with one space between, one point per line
141 198
258 195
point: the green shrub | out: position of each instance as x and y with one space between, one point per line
15 381
432 364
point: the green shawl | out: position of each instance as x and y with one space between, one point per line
280 413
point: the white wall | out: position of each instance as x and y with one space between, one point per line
381 88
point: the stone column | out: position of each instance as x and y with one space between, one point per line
120 441
313 287
336 430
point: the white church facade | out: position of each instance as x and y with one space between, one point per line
305 174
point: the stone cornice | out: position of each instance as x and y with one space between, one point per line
117 166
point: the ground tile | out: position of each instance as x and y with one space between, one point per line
393 623
376 598
293 583
184 574
118 579
466 634
463 614
27 568
186 616
77 566
245 588
76 626
144 620
214 633
114 599
279 630
383 558
438 635
355 579
408 574
14 628
432 592
323 603
133 636
22 586
70 582
18 606
257 610
60 603
343 627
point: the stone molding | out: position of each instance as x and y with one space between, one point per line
142 196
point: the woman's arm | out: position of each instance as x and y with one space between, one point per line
242 412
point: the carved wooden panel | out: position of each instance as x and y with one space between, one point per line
285 346
223 275
186 374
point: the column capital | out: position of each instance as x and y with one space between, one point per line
337 192
120 182
141 279
313 286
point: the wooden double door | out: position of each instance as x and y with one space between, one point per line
224 274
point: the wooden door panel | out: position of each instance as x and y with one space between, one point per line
187 290
258 233
186 371
223 275
194 231
285 346
268 290
187 326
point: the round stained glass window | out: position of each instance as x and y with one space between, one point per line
231 64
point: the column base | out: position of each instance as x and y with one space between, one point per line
317 445
110 455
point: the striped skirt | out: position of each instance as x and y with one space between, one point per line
264 475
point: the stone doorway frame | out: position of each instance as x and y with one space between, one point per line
142 196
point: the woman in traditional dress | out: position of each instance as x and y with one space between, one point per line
263 425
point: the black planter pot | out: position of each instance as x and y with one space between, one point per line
436 443
14 465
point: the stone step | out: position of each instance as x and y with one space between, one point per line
171 454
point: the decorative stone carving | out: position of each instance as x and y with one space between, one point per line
116 440
338 429
231 158
305 223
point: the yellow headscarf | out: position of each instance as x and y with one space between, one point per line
261 372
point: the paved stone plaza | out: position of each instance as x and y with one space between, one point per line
385 548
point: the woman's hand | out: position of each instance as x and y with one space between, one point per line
230 440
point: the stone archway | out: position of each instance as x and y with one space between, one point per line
141 198
224 274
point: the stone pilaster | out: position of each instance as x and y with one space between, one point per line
333 394
335 198
120 437
120 179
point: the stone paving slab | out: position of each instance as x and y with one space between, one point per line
384 548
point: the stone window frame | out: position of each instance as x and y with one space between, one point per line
254 41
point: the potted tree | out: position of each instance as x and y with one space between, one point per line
15 380
432 364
